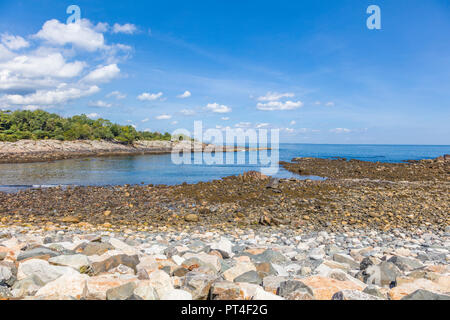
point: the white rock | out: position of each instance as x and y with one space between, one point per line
177 259
73 285
237 270
176 294
161 281
145 291
122 246
262 294
75 261
224 245
206 258
43 270
282 271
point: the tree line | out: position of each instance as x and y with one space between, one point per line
39 124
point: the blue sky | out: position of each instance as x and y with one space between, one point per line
310 68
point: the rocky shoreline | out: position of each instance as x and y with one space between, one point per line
51 150
370 231
73 263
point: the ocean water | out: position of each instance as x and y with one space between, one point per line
160 169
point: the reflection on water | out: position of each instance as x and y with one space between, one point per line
159 169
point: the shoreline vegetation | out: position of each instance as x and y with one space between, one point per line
39 136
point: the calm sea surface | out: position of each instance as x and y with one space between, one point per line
159 169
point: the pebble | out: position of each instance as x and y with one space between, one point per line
239 264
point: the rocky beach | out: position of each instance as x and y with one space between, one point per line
50 150
369 231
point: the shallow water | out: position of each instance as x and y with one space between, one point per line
159 169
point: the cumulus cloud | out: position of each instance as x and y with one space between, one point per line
292 122
329 104
103 74
218 108
14 42
93 115
127 28
261 125
116 94
42 66
184 95
149 96
100 104
174 122
340 130
275 96
81 34
163 117
5 54
145 120
278 105
49 74
59 95
225 118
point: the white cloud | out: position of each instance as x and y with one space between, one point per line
61 94
103 74
329 104
81 34
261 125
5 54
278 105
292 122
145 120
51 65
150 96
289 130
274 96
163 117
101 27
14 42
100 104
127 28
93 115
187 112
186 94
340 130
218 108
116 94
174 122
225 118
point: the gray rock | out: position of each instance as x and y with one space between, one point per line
5 292
271 256
75 261
384 274
344 258
198 284
93 248
123 292
353 295
422 294
289 286
316 254
406 264
36 252
115 261
27 287
249 277
7 276
3 255
374 291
